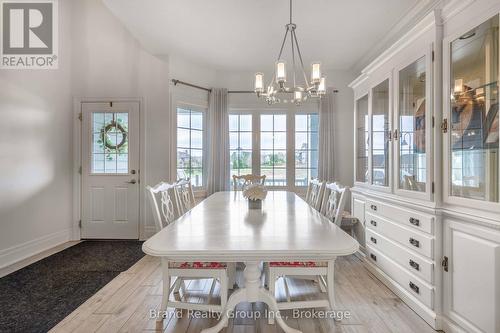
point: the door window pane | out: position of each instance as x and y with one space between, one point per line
412 145
362 139
190 145
109 143
306 148
380 137
240 137
474 124
273 149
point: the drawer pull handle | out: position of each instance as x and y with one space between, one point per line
414 221
414 287
374 240
373 223
374 257
414 265
414 242
373 207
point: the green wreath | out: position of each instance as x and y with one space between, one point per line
106 142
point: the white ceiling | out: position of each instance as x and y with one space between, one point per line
247 34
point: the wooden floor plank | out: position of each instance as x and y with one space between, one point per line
124 305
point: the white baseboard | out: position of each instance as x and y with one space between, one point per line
149 231
16 253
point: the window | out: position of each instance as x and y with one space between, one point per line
240 144
190 145
273 150
110 143
306 148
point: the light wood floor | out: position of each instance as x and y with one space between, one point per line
124 305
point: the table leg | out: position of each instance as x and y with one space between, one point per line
253 292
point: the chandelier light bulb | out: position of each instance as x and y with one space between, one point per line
322 86
259 83
281 71
297 96
316 73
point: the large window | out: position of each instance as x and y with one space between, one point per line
190 145
273 149
240 143
306 148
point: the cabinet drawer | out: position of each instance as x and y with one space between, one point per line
416 287
407 217
417 265
413 240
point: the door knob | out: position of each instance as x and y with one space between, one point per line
133 181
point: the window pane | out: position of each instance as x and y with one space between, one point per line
280 122
280 140
196 120
301 141
314 122
233 140
301 177
301 122
196 158
474 121
313 140
183 158
362 139
109 143
183 138
196 139
246 140
233 122
196 176
266 141
246 122
266 122
301 158
182 118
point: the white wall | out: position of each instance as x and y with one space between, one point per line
98 58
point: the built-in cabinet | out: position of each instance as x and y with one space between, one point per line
426 160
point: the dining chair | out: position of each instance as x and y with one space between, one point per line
185 195
334 200
240 182
163 198
314 194
332 207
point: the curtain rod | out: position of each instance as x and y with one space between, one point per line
176 82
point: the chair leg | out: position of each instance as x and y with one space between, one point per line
272 289
330 276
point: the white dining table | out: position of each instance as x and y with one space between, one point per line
223 228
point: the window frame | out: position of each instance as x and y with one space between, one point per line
290 111
203 110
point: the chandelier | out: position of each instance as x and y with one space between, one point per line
278 91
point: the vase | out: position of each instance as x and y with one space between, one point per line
254 204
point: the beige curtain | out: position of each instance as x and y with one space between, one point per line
326 163
218 142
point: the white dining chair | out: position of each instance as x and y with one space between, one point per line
185 195
314 194
240 182
334 198
164 199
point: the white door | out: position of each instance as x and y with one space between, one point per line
110 170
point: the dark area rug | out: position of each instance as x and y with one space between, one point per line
37 297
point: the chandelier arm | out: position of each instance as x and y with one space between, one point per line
294 35
293 57
290 11
283 45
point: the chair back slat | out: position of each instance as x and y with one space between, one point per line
162 200
334 201
240 182
314 194
185 195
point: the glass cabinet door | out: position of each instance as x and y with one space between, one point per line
362 139
474 128
412 132
380 134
